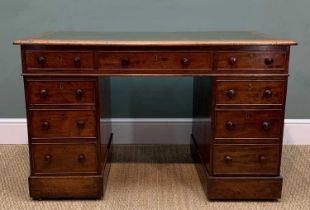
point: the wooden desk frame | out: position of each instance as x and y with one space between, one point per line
238 110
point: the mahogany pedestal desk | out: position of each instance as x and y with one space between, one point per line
240 85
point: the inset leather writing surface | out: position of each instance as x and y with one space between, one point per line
154 38
128 36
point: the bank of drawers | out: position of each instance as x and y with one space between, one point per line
248 126
79 61
62 124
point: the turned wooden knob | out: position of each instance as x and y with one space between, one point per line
77 60
229 125
232 60
266 125
262 158
43 93
80 124
79 93
184 61
125 61
231 93
267 93
48 158
228 159
45 125
268 61
81 158
41 60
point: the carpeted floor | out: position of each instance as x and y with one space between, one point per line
152 177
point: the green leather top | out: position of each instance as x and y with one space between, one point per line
153 38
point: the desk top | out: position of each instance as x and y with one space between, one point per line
153 38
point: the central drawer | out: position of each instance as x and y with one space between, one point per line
248 123
246 159
64 158
154 60
62 123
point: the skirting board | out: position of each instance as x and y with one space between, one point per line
151 131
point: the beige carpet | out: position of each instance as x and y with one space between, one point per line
152 177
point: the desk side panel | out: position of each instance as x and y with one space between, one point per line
104 101
202 117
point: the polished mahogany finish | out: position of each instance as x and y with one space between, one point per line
148 60
72 187
65 92
250 60
64 158
260 92
248 123
239 84
246 159
58 60
241 188
62 123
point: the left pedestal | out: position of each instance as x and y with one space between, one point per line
70 139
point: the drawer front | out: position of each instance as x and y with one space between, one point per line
61 92
58 60
246 159
248 124
250 60
62 123
64 158
155 60
250 92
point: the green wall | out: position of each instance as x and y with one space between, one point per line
153 97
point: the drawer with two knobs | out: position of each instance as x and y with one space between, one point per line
154 60
64 158
250 92
53 60
251 61
60 91
246 159
248 123
62 123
